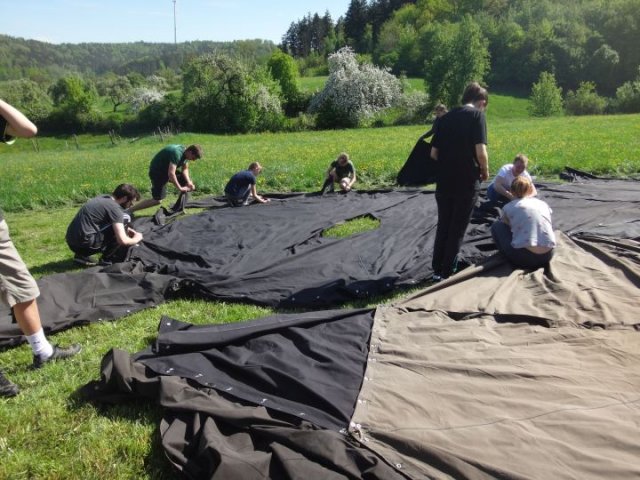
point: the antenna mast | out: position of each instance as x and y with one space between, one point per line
175 31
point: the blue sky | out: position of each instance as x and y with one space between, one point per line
109 21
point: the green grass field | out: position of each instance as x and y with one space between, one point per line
47 433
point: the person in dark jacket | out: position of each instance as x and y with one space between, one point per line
439 112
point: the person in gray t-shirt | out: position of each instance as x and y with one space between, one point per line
100 226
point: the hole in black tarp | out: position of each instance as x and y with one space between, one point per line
364 223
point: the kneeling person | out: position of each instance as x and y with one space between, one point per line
100 225
340 171
243 184
524 234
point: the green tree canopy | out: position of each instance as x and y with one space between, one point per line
460 55
546 97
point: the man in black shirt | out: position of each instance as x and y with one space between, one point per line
100 225
460 148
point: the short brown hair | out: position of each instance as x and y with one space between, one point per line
521 187
254 165
126 190
196 150
344 155
474 92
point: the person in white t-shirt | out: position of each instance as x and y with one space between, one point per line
499 192
524 234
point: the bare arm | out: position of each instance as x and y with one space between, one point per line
18 125
434 153
483 160
353 180
173 179
126 237
185 174
501 188
254 194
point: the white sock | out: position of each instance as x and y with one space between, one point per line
40 345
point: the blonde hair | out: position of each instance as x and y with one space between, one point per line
343 155
521 187
523 158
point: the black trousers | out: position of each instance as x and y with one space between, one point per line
454 215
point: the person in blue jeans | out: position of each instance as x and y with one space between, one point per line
524 233
499 192
242 185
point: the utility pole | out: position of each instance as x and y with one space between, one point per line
175 31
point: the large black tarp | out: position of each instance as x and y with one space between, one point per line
495 373
276 254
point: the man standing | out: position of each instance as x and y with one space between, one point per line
243 184
17 287
101 225
460 148
171 164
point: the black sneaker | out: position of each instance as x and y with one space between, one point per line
7 387
59 353
85 261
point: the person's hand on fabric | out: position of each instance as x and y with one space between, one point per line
133 234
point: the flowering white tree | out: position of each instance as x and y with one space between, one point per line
142 97
353 91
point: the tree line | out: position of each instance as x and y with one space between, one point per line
44 63
579 41
564 53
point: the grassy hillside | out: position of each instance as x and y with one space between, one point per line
62 174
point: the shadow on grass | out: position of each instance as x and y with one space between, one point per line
61 266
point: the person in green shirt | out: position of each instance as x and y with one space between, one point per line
18 289
340 171
171 164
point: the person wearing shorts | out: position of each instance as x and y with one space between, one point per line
171 164
18 289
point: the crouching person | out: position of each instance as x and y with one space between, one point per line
340 171
242 185
524 234
101 226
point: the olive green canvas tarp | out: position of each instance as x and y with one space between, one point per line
502 373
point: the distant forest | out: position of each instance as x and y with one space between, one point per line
44 62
